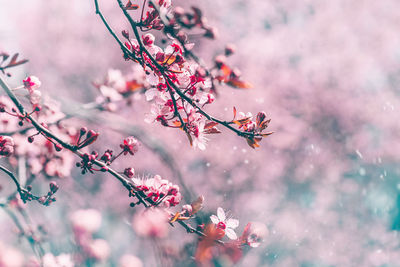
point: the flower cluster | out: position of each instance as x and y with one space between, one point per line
158 191
42 154
179 84
179 87
248 125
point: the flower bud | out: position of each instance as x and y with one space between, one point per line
58 147
129 172
229 49
53 187
125 33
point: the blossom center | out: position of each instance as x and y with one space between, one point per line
221 225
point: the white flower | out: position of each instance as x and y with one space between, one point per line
225 224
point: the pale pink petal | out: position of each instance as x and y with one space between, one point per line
221 214
230 234
214 219
232 223
151 93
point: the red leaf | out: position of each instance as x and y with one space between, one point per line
13 62
13 59
239 84
210 124
212 131
190 138
130 6
197 204
253 142
266 134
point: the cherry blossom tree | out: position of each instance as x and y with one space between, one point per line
144 133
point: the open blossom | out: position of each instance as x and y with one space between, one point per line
159 190
195 124
32 83
228 225
6 146
130 145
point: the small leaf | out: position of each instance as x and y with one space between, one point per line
266 134
190 138
245 234
133 85
210 124
226 70
175 218
241 122
253 142
169 60
239 84
13 59
197 204
213 130
130 6
264 124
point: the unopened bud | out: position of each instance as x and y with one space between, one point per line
53 187
83 130
229 49
58 147
125 33
129 172
104 169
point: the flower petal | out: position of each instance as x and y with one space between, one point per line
151 94
232 223
221 214
214 219
230 233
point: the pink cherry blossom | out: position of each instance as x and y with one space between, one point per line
32 83
223 223
130 145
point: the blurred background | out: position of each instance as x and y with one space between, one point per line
326 183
